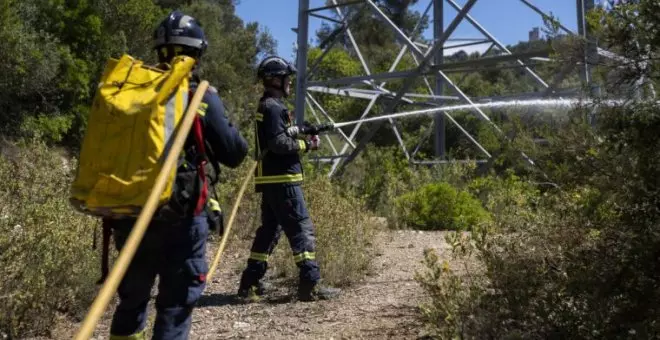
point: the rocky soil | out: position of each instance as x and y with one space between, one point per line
382 306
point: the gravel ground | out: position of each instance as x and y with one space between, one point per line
382 306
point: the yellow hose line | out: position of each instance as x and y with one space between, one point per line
126 255
232 217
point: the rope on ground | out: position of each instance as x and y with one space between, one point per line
232 217
126 255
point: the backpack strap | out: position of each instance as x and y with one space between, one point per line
107 232
201 158
201 162
214 164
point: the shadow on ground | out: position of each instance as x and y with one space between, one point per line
219 300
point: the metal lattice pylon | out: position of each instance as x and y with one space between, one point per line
429 60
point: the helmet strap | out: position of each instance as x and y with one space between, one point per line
284 94
270 85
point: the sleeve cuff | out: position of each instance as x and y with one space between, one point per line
302 145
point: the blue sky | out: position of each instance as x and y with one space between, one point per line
508 20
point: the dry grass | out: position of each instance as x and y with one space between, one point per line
344 234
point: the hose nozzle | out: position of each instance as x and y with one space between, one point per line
315 129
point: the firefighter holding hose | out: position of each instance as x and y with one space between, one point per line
278 177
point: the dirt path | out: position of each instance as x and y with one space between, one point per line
383 306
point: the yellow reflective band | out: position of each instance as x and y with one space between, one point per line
214 205
202 109
183 155
302 145
137 336
278 179
304 256
259 117
259 257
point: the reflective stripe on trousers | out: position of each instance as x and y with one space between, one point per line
283 208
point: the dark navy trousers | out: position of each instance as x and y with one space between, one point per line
283 208
176 253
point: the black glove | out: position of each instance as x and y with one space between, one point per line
308 129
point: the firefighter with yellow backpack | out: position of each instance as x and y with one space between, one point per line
132 121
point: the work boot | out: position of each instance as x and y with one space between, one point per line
254 293
310 291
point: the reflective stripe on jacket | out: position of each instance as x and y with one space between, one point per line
281 163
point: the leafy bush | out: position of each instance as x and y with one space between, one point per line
581 262
380 174
499 289
507 197
440 206
46 260
451 298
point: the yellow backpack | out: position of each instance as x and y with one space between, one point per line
131 125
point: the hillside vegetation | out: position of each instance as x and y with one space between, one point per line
568 248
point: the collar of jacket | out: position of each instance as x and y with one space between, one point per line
271 93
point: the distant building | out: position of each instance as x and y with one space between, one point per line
535 34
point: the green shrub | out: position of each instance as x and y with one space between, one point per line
451 298
502 281
440 206
380 175
46 260
507 197
580 262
